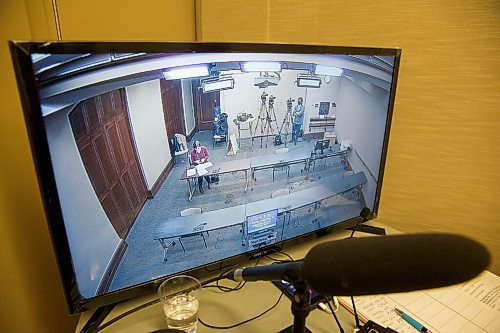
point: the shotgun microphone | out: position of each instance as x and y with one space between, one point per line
378 265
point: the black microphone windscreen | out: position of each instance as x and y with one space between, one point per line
391 264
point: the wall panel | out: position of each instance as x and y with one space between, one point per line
443 164
32 297
126 20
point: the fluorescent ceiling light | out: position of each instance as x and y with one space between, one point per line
119 56
46 68
327 70
218 85
39 56
308 81
89 65
185 72
261 66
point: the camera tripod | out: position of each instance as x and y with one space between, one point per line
285 125
265 118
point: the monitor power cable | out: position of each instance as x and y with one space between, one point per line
242 322
364 214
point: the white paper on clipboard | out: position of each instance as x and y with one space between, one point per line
201 170
470 307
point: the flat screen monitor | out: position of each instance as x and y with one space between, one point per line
324 108
114 126
262 221
322 145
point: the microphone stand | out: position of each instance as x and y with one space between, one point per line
300 308
356 317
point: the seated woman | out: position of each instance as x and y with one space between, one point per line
199 155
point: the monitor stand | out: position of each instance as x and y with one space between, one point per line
97 318
368 229
289 329
259 253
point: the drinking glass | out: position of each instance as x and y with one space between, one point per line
180 298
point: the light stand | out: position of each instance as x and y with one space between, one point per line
285 126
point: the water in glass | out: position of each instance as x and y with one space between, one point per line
182 312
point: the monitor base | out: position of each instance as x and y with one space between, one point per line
368 229
263 252
289 329
97 318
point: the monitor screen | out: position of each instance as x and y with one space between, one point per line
151 156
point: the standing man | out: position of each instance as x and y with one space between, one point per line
298 119
217 111
199 155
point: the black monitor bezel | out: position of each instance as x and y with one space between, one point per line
29 95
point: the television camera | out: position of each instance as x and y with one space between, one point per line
263 97
271 101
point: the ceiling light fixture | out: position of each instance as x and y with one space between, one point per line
328 70
185 72
308 81
218 85
261 66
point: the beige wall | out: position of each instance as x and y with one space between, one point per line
32 296
442 171
444 155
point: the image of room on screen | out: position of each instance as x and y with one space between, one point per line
167 162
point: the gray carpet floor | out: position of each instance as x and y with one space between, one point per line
143 259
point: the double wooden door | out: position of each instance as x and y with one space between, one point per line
102 132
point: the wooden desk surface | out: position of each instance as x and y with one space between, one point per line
219 308
218 168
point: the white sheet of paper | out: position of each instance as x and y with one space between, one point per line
201 170
206 164
467 307
191 172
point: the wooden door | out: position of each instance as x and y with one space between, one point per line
204 106
173 110
102 132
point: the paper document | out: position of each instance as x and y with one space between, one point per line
201 170
470 307
191 172
206 165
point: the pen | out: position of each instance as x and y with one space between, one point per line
412 321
